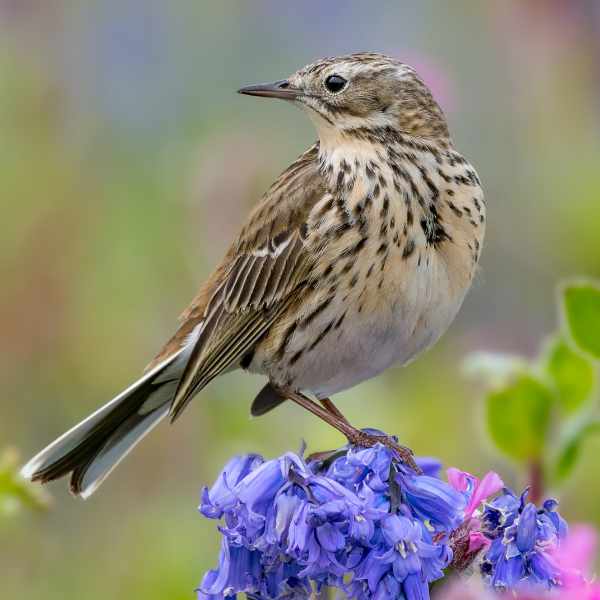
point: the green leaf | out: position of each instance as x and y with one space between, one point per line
518 417
572 375
16 492
582 314
570 450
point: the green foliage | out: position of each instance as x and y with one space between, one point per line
572 374
582 314
570 449
15 492
518 416
528 400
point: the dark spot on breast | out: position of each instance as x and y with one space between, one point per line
444 176
385 207
434 231
455 208
350 183
339 322
338 230
433 190
374 166
408 249
321 336
462 180
383 261
316 312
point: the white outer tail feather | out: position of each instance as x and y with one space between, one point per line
100 469
111 455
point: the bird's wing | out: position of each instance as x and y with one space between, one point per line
255 283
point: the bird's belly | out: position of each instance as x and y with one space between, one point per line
383 325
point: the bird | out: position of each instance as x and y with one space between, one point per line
357 258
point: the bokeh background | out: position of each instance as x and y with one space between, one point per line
127 163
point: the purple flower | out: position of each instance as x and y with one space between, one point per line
220 496
500 513
437 504
358 521
524 543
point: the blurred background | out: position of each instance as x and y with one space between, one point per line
128 163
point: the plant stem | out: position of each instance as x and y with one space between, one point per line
536 482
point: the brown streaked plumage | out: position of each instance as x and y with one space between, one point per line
356 258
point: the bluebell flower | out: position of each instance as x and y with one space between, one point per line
524 543
440 507
500 513
220 496
358 521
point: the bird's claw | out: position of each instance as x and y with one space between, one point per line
368 440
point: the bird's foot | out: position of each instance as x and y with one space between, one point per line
368 440
327 411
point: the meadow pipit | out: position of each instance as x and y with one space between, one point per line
357 257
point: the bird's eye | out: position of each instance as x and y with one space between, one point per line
335 83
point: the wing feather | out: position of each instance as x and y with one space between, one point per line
257 282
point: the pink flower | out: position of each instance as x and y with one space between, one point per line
575 557
577 552
477 541
477 490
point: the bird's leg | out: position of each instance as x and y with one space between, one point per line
333 409
355 436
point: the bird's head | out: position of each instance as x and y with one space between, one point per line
359 92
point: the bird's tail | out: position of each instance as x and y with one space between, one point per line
94 447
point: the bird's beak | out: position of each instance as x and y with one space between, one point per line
279 89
